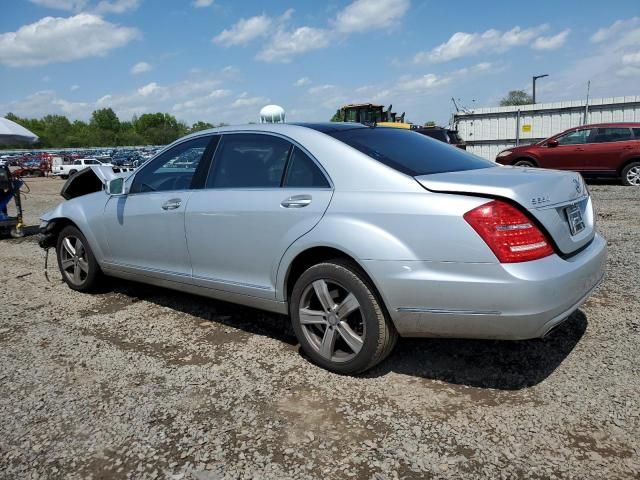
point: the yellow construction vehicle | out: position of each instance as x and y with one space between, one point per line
372 114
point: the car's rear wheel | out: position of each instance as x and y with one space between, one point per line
72 173
339 320
76 261
524 163
631 174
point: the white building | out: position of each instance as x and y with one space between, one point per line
487 131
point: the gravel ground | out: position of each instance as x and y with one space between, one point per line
140 382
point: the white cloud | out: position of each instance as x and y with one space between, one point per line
244 31
362 15
47 102
140 67
462 44
73 88
286 44
102 7
615 29
68 5
612 64
202 3
52 40
150 89
552 42
116 6
249 102
301 82
202 104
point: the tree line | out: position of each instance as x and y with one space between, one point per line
105 129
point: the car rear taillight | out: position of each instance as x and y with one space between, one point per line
510 235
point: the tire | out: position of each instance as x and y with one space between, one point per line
72 173
79 270
346 332
524 163
631 175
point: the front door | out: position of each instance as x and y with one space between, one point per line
569 154
145 228
262 194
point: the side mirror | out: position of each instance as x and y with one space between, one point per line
115 187
552 143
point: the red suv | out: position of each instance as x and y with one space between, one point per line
605 149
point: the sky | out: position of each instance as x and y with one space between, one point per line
222 60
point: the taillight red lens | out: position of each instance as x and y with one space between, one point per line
510 235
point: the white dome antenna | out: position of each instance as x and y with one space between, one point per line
272 114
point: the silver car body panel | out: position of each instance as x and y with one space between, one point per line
434 273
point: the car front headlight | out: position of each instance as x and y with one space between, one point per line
505 153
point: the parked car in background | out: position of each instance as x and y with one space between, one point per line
606 149
445 135
67 170
359 233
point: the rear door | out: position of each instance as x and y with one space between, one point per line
608 147
145 228
569 154
262 193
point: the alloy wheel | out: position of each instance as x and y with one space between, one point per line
633 175
73 260
331 320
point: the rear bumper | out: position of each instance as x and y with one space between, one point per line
486 300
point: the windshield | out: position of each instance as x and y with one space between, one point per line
409 152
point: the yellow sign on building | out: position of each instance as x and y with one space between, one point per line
526 127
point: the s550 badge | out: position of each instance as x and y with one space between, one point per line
537 201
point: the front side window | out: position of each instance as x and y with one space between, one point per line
302 172
249 160
574 138
173 170
77 162
613 134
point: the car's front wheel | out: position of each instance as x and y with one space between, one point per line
338 319
524 163
631 174
76 261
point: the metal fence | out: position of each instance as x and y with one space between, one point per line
487 131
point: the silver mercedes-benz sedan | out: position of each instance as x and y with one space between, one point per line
358 233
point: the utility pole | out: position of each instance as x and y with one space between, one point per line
586 105
536 77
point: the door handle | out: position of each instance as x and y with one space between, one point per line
296 201
578 149
172 204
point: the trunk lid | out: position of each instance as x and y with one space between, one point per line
551 197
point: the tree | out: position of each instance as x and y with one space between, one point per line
337 117
430 123
159 128
196 127
516 97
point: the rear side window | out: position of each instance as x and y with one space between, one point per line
612 134
636 133
302 172
248 160
410 152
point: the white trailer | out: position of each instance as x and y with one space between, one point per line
487 131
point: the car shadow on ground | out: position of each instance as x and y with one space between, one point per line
249 320
503 365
